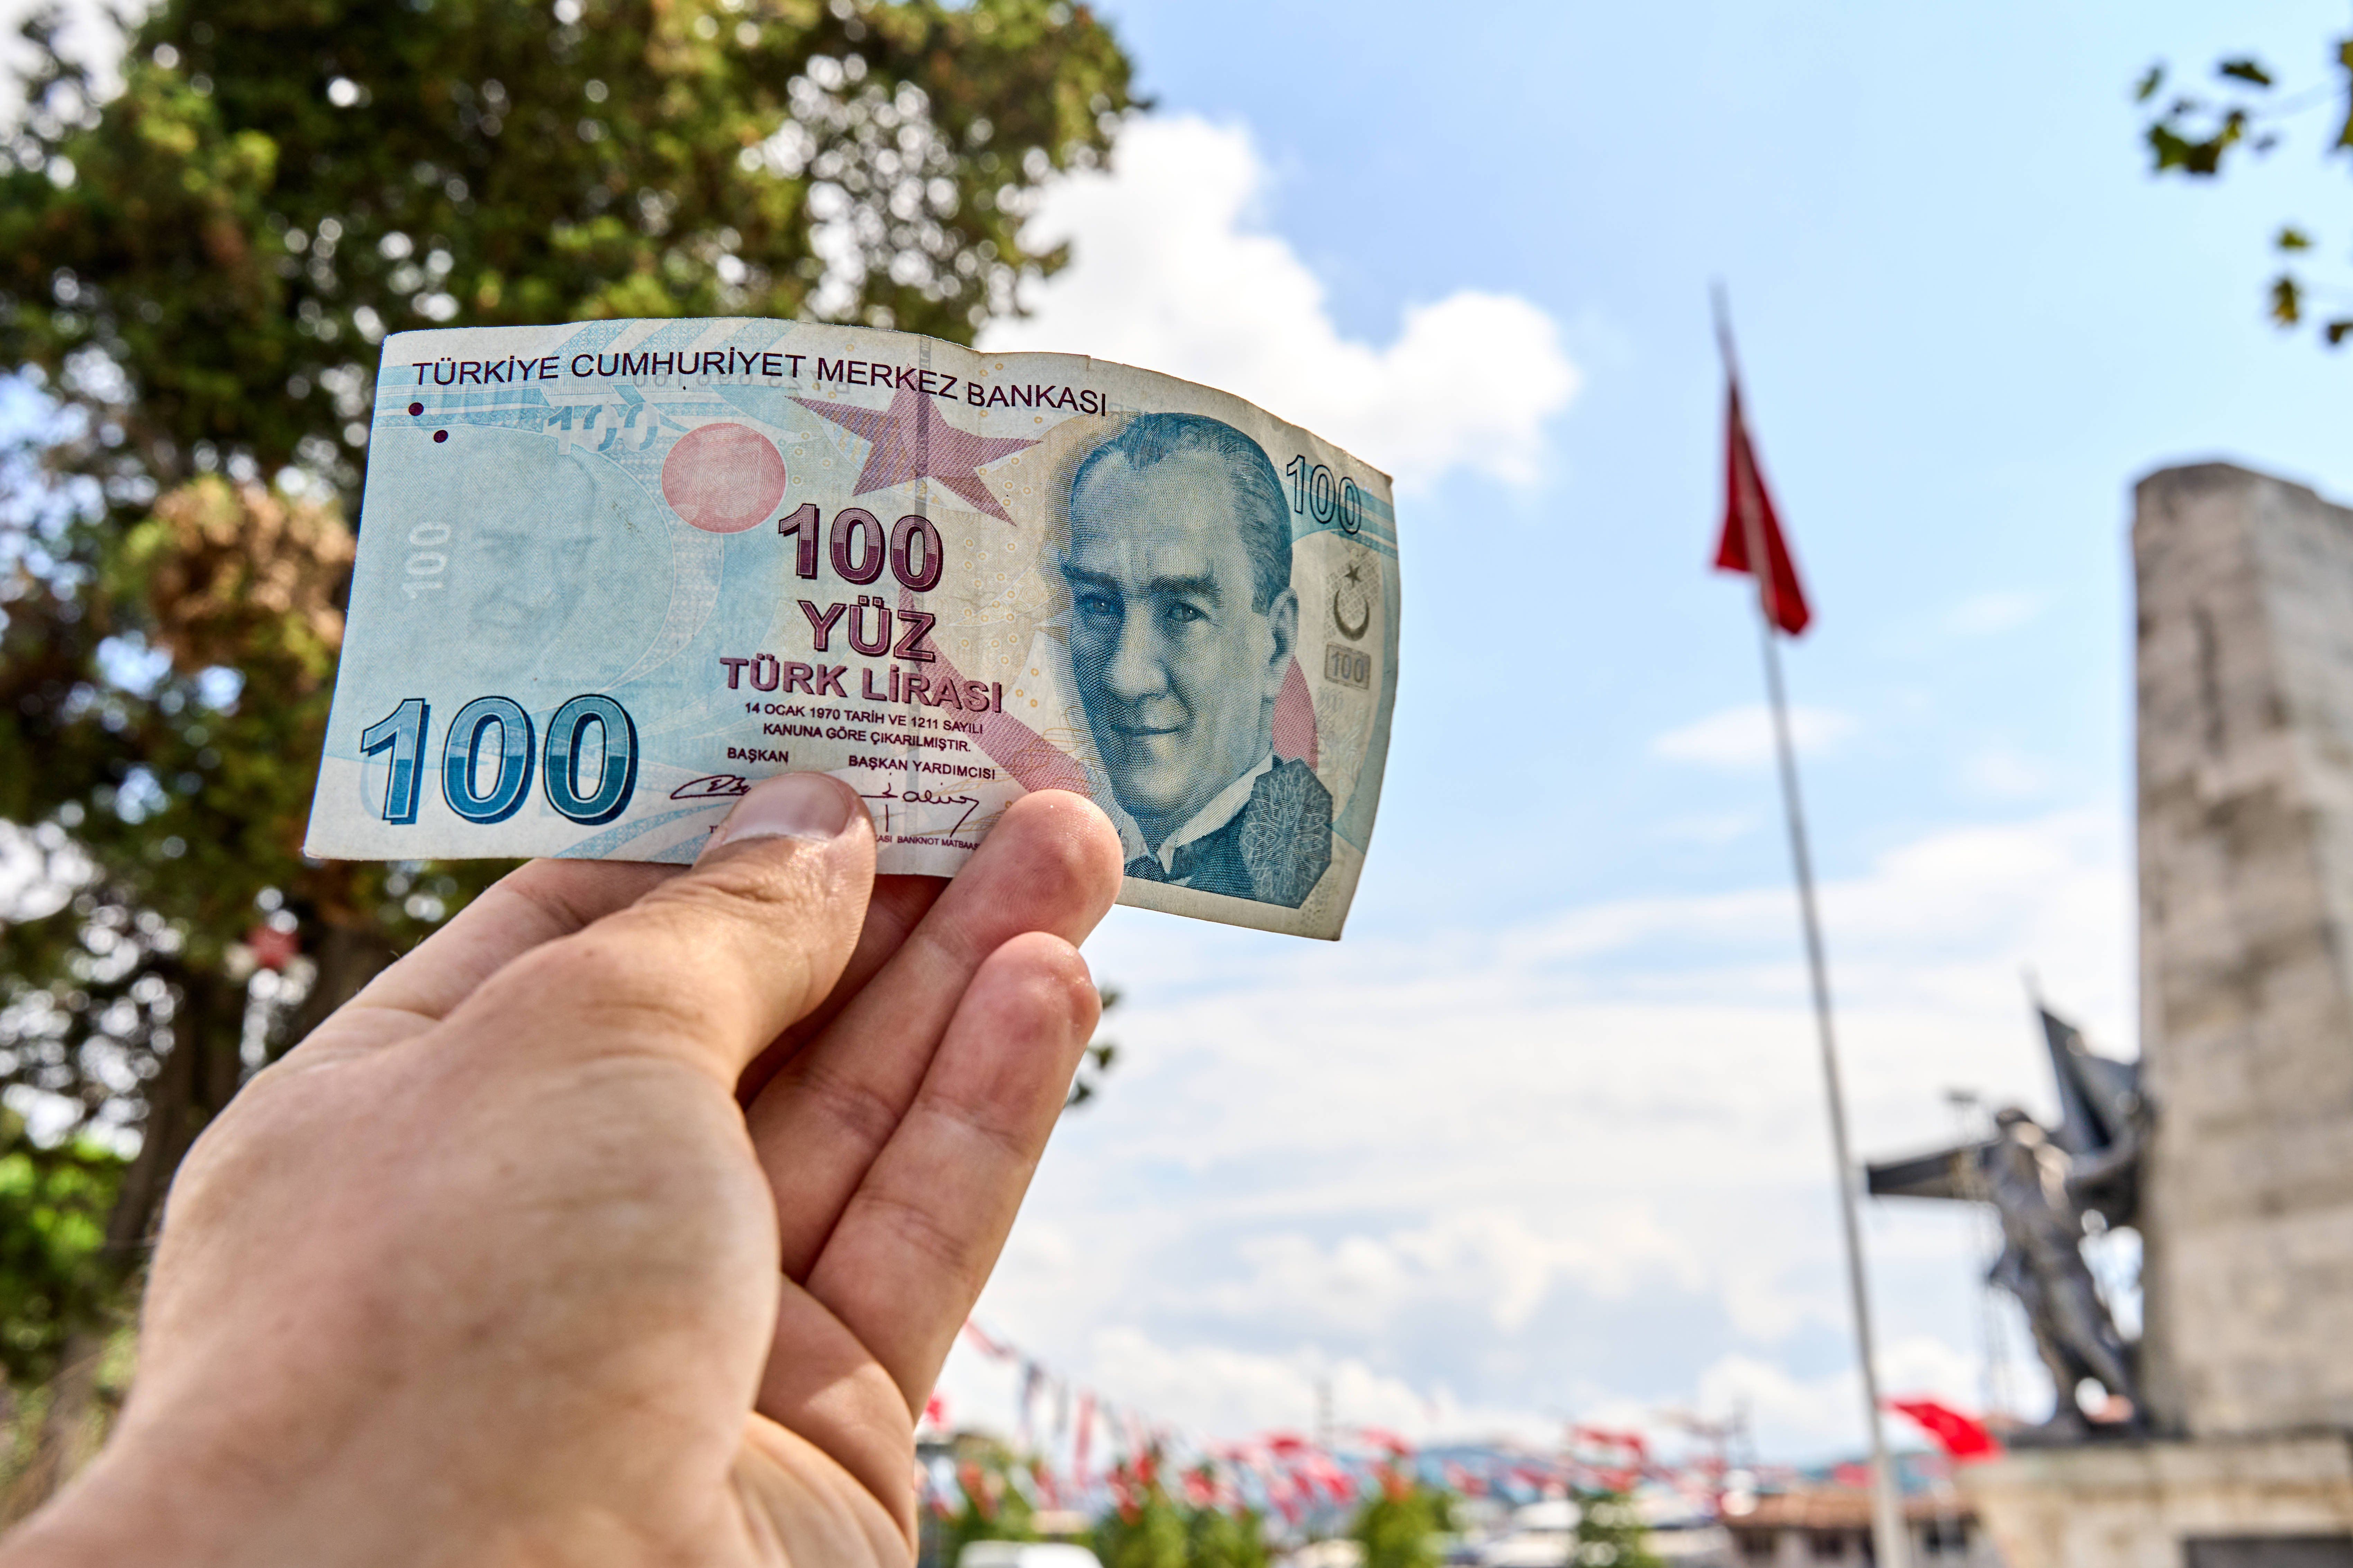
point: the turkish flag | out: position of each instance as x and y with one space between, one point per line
1961 1436
1748 513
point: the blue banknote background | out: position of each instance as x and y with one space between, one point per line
566 572
515 542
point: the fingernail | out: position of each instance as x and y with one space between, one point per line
790 805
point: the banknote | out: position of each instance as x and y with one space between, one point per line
612 573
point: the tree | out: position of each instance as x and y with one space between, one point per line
1145 1529
1223 1537
54 1283
1096 1065
1610 1534
53 1205
194 276
1149 1527
997 1503
2195 133
1398 1526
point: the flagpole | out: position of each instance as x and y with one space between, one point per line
1889 1536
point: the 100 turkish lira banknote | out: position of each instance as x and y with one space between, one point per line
610 573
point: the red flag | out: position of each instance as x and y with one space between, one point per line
1746 503
988 1347
1962 1436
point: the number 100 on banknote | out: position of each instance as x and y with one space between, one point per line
611 574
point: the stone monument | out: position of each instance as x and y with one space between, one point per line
2245 1204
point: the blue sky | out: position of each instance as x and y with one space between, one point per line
1968 317
1543 1136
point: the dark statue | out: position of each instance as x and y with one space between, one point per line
2046 1184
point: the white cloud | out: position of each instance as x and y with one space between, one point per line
1565 1166
1820 1412
1920 907
1170 272
1237 1391
1488 1263
1743 737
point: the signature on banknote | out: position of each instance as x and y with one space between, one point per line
711 786
895 803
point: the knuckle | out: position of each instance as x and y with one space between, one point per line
551 896
624 988
868 1115
976 1112
755 882
919 1229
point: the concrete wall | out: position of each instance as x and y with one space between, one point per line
2245 668
2138 1505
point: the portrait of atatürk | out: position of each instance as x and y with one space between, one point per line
1183 628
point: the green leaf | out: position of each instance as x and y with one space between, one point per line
2198 158
2292 238
2146 88
2288 300
2344 63
2245 71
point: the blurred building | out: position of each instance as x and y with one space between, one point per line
1830 1527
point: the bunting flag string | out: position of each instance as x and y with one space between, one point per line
1279 1474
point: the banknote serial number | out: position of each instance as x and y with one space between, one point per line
587 765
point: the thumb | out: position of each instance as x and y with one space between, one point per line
711 966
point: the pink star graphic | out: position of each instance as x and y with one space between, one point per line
912 442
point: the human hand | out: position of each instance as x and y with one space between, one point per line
628 1219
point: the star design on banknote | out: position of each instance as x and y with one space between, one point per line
911 441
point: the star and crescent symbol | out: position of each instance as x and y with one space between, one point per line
1365 622
911 441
